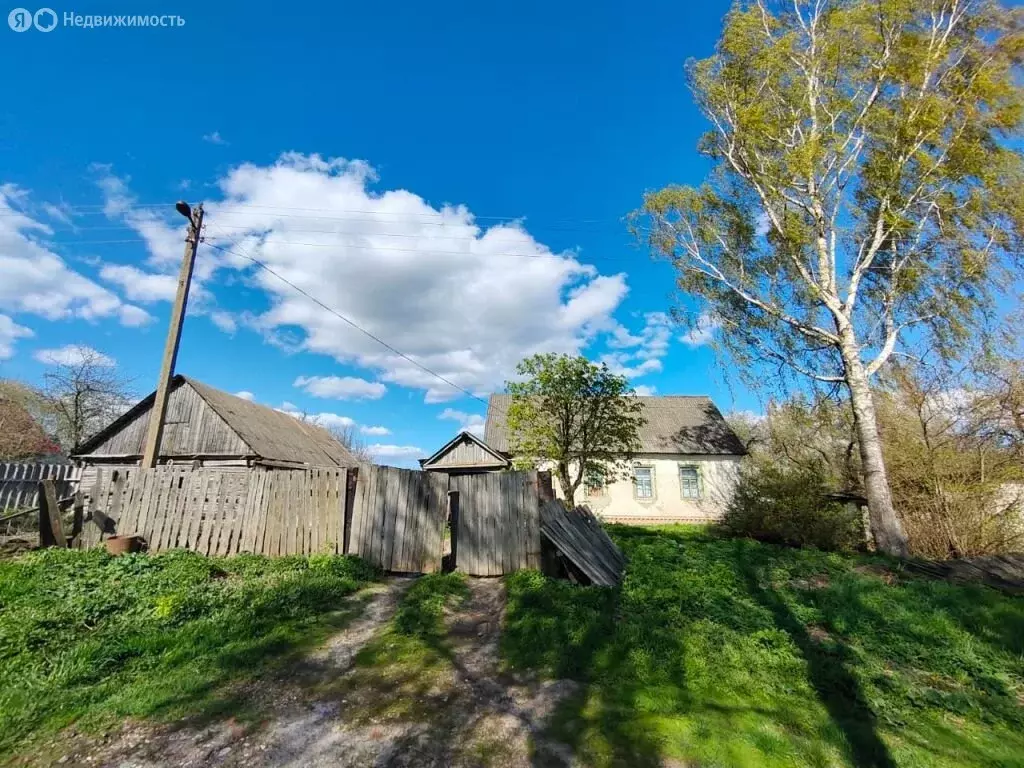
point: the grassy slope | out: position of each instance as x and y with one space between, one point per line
89 638
728 652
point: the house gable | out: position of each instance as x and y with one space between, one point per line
191 428
204 422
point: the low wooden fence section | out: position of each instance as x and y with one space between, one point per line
220 512
19 482
496 524
394 518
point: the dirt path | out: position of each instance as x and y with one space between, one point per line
325 712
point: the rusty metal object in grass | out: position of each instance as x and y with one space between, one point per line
121 545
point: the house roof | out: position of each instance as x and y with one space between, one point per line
684 424
499 460
270 434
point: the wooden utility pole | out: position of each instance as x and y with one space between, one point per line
156 416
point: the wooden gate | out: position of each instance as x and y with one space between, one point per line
398 518
496 525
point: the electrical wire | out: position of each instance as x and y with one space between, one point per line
352 323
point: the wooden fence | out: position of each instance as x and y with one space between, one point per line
394 518
496 525
220 511
19 482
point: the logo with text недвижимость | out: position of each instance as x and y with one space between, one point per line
22 19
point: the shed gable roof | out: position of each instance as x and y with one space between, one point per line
437 456
684 424
270 434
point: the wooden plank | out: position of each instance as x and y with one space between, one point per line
434 538
263 512
317 485
415 554
589 549
208 525
356 537
290 514
390 516
229 517
51 526
489 544
405 499
272 538
468 515
197 499
533 544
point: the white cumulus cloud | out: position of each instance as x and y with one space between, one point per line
38 281
341 387
376 431
10 332
396 451
246 395
468 422
465 300
74 354
139 285
641 353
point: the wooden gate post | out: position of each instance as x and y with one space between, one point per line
453 522
544 486
351 480
51 528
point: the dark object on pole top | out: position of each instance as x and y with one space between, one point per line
184 209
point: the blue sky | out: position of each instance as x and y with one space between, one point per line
451 177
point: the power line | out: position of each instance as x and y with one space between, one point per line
250 209
359 328
350 246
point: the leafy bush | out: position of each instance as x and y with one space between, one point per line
785 505
88 636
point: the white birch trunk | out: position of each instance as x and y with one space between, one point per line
885 525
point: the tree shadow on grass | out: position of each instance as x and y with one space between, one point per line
827 671
568 632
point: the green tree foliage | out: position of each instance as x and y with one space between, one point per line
574 415
863 195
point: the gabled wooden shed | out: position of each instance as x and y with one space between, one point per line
465 454
204 426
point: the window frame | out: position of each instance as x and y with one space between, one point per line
699 480
654 493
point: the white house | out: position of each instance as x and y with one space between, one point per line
685 470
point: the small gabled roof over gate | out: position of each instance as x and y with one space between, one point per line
465 451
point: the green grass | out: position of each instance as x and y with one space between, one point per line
89 638
732 653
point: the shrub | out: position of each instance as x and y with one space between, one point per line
788 506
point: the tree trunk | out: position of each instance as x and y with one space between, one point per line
886 526
567 487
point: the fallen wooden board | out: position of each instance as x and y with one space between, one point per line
579 536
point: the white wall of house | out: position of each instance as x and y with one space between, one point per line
619 501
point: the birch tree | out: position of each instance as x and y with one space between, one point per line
863 195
